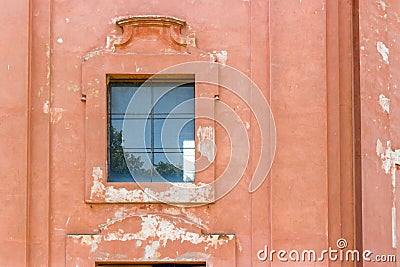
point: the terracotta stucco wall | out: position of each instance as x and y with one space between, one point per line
299 53
379 67
14 133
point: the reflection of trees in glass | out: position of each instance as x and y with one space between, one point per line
119 164
168 170
117 159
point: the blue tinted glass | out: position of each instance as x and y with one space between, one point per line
158 138
170 133
170 169
168 97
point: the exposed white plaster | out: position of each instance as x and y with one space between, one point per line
56 114
89 240
94 53
384 51
179 193
123 195
176 193
98 187
394 231
205 142
46 107
383 5
222 57
384 102
189 40
180 214
390 158
137 68
151 250
60 40
164 230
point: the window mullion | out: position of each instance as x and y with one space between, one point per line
152 130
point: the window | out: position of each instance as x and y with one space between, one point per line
151 129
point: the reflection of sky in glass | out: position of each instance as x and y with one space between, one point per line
158 137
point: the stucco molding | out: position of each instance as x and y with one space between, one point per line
137 27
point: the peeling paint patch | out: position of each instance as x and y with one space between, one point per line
383 5
205 144
179 193
123 195
46 107
180 214
98 187
137 68
394 231
384 51
89 240
222 57
93 54
150 252
168 193
384 102
60 40
390 158
189 40
158 228
56 114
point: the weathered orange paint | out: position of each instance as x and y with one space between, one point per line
379 58
322 65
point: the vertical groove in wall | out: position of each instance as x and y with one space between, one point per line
334 137
357 132
28 135
38 213
50 3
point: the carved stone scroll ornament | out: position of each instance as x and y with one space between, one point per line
162 29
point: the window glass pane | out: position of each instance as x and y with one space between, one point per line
169 97
122 93
137 133
170 169
154 145
123 165
172 132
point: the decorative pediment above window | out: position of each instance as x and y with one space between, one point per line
152 34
